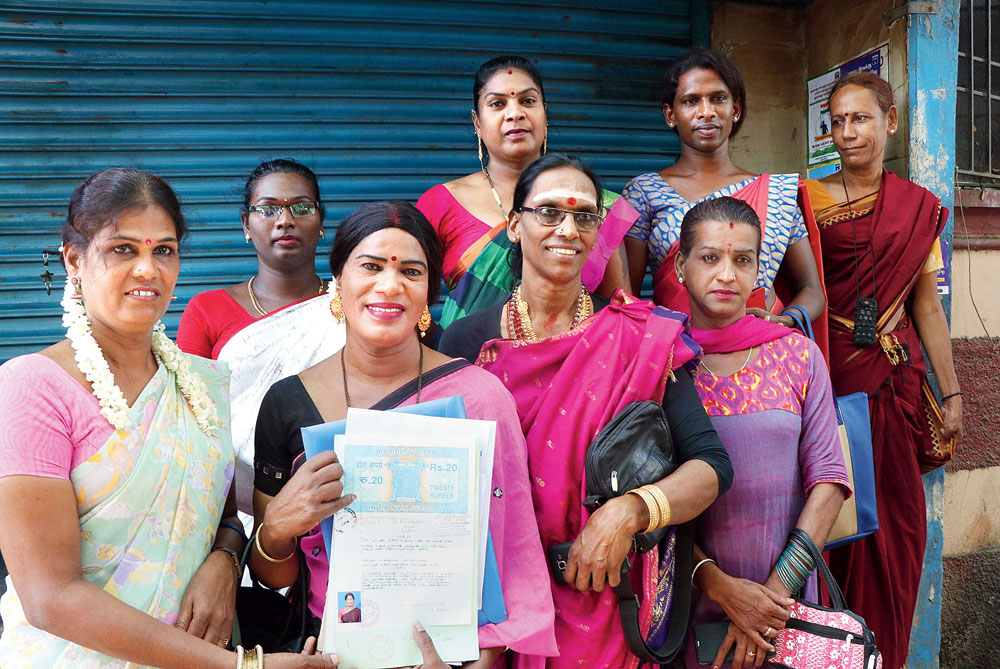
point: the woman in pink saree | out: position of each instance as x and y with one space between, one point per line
572 361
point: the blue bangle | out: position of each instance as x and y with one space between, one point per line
234 526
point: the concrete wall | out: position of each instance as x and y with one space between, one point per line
838 30
971 597
766 43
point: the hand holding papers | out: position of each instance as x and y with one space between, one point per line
412 546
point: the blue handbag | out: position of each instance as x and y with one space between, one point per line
859 516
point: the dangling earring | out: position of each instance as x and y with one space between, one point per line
246 235
337 307
680 278
424 323
77 290
321 233
545 140
47 275
479 147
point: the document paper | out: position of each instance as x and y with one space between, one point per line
406 549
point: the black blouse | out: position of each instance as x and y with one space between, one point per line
690 427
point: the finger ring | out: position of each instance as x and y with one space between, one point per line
768 318
224 642
750 653
770 633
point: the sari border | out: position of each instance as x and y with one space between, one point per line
399 395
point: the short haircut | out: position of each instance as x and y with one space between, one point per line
701 58
878 86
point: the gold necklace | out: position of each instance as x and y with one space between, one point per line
496 195
742 367
256 303
519 320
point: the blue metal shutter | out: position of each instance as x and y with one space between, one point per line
375 96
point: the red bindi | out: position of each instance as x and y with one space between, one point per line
510 71
148 241
730 225
571 200
394 258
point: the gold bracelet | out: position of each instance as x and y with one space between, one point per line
651 506
263 553
662 502
249 658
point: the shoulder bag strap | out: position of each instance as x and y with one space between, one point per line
680 608
801 318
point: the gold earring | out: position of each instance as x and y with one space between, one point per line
246 235
424 323
337 307
479 147
545 141
321 233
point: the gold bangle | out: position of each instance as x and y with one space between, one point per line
662 502
239 657
263 553
651 506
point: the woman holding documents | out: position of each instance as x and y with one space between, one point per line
386 259
573 360
766 380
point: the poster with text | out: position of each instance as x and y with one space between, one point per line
822 155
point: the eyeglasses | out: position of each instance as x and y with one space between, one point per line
551 217
296 209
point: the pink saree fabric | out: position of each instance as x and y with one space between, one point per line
566 389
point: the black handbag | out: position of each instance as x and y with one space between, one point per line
279 623
634 449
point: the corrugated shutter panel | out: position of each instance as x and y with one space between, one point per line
374 96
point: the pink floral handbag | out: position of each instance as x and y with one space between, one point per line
816 637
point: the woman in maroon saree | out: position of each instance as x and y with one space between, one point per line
879 237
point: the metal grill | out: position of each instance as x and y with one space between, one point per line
978 103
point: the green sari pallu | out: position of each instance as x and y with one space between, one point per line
149 502
487 278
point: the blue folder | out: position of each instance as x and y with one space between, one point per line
318 438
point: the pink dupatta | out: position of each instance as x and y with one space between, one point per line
566 389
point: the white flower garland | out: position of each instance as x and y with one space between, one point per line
91 362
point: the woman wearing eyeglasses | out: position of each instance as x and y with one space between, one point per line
572 361
470 213
276 323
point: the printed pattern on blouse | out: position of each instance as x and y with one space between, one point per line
661 210
777 379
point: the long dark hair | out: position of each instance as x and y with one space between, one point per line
375 216
723 209
550 161
285 165
97 202
701 58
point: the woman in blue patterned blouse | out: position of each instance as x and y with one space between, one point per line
704 100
